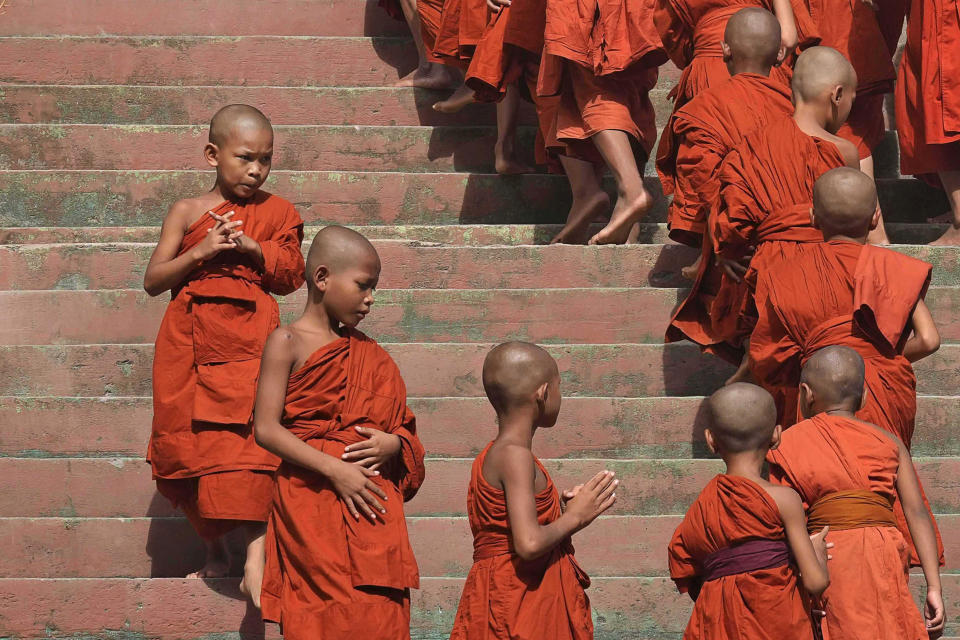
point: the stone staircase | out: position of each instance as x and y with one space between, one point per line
103 105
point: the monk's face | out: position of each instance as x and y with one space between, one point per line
348 290
243 160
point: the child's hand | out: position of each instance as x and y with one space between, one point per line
570 494
379 447
495 5
593 498
820 546
218 237
735 269
352 483
933 614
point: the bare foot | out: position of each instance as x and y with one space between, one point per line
217 564
944 218
690 272
582 212
433 76
625 214
460 98
742 374
507 163
252 580
950 238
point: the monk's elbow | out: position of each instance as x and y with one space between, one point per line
815 586
932 343
526 549
151 288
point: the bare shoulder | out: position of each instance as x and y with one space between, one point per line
281 343
184 213
506 462
848 150
785 497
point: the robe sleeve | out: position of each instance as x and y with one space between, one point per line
698 163
735 226
676 34
411 457
774 354
683 568
283 267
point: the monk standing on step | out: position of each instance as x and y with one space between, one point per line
332 405
849 473
525 582
743 542
221 255
422 18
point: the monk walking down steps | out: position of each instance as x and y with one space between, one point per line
742 552
525 582
221 254
332 405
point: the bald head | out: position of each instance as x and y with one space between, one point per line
743 417
513 371
753 36
844 202
236 117
818 71
835 375
339 248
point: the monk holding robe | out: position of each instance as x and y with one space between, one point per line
848 473
332 405
221 255
766 191
525 582
743 542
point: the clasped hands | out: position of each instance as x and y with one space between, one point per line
352 475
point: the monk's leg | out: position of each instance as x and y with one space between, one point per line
217 563
633 199
951 184
590 201
879 235
505 149
460 98
255 534
428 74
742 374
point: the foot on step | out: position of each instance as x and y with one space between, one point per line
460 98
627 212
583 211
432 76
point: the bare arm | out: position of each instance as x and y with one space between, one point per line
925 340
788 26
811 560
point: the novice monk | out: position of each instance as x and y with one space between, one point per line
743 542
602 62
331 403
525 582
221 254
766 192
702 132
848 474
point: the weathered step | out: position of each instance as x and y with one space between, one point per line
141 198
52 427
200 17
79 487
587 316
430 370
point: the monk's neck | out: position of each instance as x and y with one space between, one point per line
516 427
317 317
838 411
760 69
842 238
747 464
811 119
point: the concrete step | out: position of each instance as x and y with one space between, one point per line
141 198
589 427
558 316
430 370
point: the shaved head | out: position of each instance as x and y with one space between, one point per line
743 418
844 201
513 371
819 70
753 35
235 117
338 248
836 376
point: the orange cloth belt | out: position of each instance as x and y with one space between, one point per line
850 510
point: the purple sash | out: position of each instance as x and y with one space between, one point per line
752 555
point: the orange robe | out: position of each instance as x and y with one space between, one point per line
602 61
462 23
766 195
429 12
205 369
928 90
869 596
328 575
764 604
697 139
506 598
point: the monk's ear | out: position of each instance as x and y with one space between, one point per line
211 153
727 53
711 443
541 397
775 437
805 400
320 277
781 55
813 219
875 220
837 94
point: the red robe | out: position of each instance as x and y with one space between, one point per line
205 369
506 598
766 195
329 575
731 510
429 12
697 139
869 596
462 23
928 89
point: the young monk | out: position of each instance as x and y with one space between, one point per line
332 405
701 133
743 542
766 190
525 582
848 474
603 63
928 104
421 17
221 254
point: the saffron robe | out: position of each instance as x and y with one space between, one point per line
507 598
462 23
205 368
729 511
430 12
928 90
698 137
827 454
327 574
766 192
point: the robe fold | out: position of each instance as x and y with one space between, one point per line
928 90
765 603
461 26
429 12
327 574
698 137
507 598
829 454
205 368
766 193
